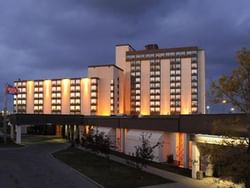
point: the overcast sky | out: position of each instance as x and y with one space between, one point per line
59 38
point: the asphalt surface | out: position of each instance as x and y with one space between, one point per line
33 167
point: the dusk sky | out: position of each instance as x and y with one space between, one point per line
60 38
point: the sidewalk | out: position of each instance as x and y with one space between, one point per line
180 181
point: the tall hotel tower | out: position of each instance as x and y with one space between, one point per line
152 81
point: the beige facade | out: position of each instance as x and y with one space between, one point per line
163 81
145 82
152 81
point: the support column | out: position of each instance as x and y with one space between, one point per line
71 132
186 150
122 141
12 131
195 159
66 131
18 134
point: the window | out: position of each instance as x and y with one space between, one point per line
93 101
93 81
93 94
93 87
177 78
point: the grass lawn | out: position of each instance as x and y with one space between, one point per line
108 173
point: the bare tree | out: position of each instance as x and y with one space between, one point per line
144 153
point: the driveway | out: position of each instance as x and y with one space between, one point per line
33 167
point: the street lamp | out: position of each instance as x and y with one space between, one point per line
232 109
207 108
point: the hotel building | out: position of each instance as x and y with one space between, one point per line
153 82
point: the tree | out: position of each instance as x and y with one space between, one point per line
233 158
144 152
98 142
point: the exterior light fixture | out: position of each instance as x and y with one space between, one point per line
232 109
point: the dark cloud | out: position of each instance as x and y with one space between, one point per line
60 38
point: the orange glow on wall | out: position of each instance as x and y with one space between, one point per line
47 96
85 96
186 86
144 112
65 85
164 112
186 110
86 84
104 113
180 148
30 96
65 96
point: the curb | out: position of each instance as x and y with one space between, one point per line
82 175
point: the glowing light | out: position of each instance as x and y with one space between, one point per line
65 83
220 140
144 113
224 101
185 111
86 84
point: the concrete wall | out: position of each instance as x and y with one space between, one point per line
85 96
145 88
165 87
186 92
47 97
30 97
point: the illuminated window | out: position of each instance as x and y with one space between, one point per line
77 94
138 73
93 81
178 78
177 96
194 71
93 87
93 94
93 101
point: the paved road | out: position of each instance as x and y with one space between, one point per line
33 167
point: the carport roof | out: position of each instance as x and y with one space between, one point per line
217 124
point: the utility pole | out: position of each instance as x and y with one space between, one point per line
5 113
